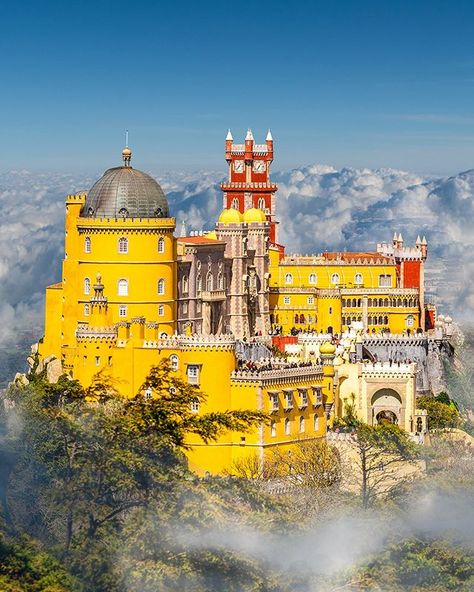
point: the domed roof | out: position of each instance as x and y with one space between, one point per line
230 216
327 348
125 192
254 215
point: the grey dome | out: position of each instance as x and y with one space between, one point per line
125 192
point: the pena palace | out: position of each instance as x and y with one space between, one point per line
253 326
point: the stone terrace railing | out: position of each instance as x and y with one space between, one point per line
183 341
278 375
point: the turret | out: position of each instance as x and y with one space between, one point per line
269 142
424 248
228 146
400 241
249 145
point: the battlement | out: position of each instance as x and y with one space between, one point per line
287 374
388 369
191 342
167 224
87 332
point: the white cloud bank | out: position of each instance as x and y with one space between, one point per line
319 207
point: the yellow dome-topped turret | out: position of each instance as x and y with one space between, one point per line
230 216
327 348
254 215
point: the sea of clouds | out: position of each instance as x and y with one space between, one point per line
320 207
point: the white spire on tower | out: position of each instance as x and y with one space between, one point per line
424 241
229 135
183 229
269 137
418 240
400 237
249 135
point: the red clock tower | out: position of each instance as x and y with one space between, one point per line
249 184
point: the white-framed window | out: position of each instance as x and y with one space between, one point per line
86 310
195 405
87 286
161 245
301 424
304 397
209 282
184 308
122 310
288 278
97 360
123 287
148 394
87 244
273 429
161 286
358 278
199 284
286 300
335 279
288 400
410 321
310 299
185 284
287 425
313 278
220 281
192 372
318 396
316 422
385 280
273 401
174 361
235 204
123 245
161 310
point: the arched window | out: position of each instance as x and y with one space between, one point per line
385 302
410 320
301 424
161 245
174 361
312 278
161 286
220 281
354 302
86 310
343 320
316 423
302 319
385 320
261 204
335 278
161 310
199 284
288 278
369 321
287 425
123 287
123 245
375 321
87 286
209 282
369 302
380 320
358 279
296 319
87 244
185 284
273 429
235 203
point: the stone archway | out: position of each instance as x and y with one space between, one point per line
386 406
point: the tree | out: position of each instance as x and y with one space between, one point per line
381 458
440 414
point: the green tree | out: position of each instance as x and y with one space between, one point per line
440 414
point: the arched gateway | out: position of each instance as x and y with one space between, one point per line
386 406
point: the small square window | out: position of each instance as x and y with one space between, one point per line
286 300
195 405
193 374
122 310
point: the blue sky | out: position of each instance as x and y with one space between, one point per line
358 83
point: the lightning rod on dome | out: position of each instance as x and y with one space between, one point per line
126 138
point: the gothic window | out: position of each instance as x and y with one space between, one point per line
235 204
87 286
287 425
123 245
87 244
335 278
123 287
199 284
261 204
288 278
161 245
316 422
312 278
385 281
358 278
209 282
220 281
301 424
273 429
174 361
185 284
161 286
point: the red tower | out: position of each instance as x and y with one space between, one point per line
249 184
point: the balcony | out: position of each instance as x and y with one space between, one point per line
213 295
